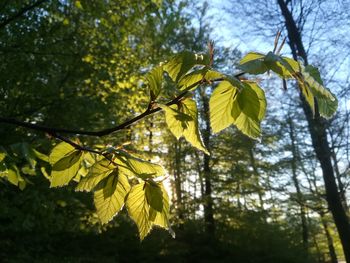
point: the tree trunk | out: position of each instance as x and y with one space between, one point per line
256 174
319 140
208 200
178 181
300 199
330 244
339 181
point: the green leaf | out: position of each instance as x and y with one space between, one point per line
138 209
191 132
154 196
326 107
15 178
59 151
309 97
182 120
182 62
109 197
3 153
191 80
284 67
222 106
155 81
65 168
96 174
41 156
252 103
148 205
253 63
13 175
313 78
158 200
244 107
134 166
312 88
176 120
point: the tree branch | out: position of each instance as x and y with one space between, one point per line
100 133
150 110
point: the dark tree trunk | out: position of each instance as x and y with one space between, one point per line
178 181
330 244
300 199
319 140
256 174
339 181
208 200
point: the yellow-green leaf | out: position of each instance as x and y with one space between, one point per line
253 63
148 205
155 81
65 169
59 151
191 132
182 120
176 120
134 166
2 153
222 104
159 205
109 197
191 80
96 174
182 62
244 107
138 209
252 103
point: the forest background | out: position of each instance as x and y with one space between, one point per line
81 65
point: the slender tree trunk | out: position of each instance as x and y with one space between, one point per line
200 173
330 244
208 200
305 232
319 140
256 174
178 181
339 181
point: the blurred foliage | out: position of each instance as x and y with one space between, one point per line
81 64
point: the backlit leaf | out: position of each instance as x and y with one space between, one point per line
148 205
191 132
182 120
194 78
222 103
253 63
159 205
96 174
109 197
176 120
252 104
138 209
244 107
59 151
65 169
155 81
2 153
134 166
182 62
